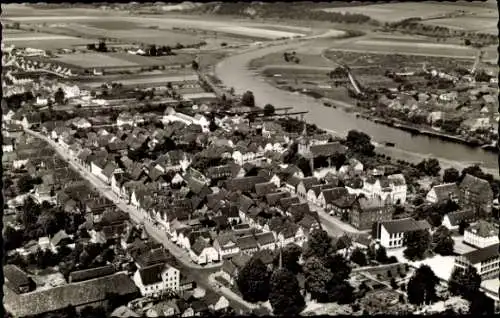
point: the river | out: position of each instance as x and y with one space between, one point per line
233 72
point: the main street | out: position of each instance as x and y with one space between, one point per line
198 273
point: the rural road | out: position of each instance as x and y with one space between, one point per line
233 71
198 273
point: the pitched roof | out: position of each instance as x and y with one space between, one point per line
483 229
199 245
443 191
240 260
475 184
246 242
151 274
457 217
286 202
245 184
273 198
333 194
309 182
405 225
265 238
327 149
482 254
15 275
261 189
86 274
75 294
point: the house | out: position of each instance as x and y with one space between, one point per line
366 212
17 280
442 193
476 193
291 184
305 185
87 293
215 302
328 196
291 233
203 253
391 233
315 191
481 235
231 267
452 220
124 312
59 239
265 241
486 261
167 308
247 244
226 245
157 279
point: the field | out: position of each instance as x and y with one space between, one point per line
39 40
391 12
110 60
143 80
472 23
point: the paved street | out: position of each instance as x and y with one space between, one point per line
332 225
198 273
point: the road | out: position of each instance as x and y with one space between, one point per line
198 273
332 225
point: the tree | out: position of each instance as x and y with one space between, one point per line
290 255
319 244
195 66
152 50
12 238
381 255
248 99
451 175
462 226
481 305
339 266
269 110
102 46
422 286
91 47
417 243
360 142
317 277
253 281
464 282
430 167
59 96
212 126
359 257
284 295
442 242
340 291
467 42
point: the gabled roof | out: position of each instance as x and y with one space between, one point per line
247 242
456 217
274 198
328 149
245 203
86 274
443 191
483 229
286 202
265 238
199 246
309 182
245 184
75 294
15 275
261 189
482 254
475 184
333 194
405 225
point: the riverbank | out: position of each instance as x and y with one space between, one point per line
233 72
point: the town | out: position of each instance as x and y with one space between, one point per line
152 191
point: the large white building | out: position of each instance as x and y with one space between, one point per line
481 235
486 261
157 279
391 233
